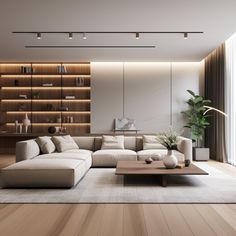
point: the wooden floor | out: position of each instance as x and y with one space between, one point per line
118 219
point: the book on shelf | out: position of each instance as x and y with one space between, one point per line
61 69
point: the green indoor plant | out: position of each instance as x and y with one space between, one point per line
196 116
197 123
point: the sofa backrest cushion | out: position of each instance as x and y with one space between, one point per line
151 142
45 144
85 142
64 143
112 142
129 143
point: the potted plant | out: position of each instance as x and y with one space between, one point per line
169 140
197 123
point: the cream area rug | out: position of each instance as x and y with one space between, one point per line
101 185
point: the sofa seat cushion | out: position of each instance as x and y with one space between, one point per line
158 154
109 158
43 173
75 154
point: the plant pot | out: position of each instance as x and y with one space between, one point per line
201 154
170 161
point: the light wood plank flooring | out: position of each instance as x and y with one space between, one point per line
118 219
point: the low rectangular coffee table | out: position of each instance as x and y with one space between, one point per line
155 168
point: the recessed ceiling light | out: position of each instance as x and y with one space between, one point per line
38 35
70 35
185 35
84 36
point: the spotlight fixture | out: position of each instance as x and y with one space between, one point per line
137 35
84 36
38 35
185 35
70 35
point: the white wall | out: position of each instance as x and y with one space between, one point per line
152 93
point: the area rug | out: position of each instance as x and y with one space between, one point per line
101 185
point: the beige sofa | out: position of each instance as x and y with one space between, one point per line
65 169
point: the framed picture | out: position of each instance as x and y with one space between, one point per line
125 124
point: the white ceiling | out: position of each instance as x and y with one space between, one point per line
217 18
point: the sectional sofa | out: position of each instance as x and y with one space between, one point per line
65 168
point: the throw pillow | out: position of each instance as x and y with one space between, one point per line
45 144
113 142
150 142
64 143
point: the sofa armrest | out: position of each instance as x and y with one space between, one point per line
185 146
26 150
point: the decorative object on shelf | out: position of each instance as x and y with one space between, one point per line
20 128
63 108
16 82
63 130
16 126
61 69
59 119
47 84
71 119
26 69
35 95
169 140
198 122
52 130
70 97
125 124
26 122
148 160
79 82
23 96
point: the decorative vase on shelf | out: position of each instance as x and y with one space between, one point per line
170 161
26 122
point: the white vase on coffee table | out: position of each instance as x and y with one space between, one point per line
170 161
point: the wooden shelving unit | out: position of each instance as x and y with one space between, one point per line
51 94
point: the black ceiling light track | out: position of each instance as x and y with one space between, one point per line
90 46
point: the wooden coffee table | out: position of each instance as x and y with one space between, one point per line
155 168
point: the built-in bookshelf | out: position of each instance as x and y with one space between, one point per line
52 95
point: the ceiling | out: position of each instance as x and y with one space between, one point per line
215 17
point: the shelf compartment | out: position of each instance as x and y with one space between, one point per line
45 104
44 88
55 124
49 112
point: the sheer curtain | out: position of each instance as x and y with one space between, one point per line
230 99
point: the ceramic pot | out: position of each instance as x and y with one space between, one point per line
26 122
170 161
